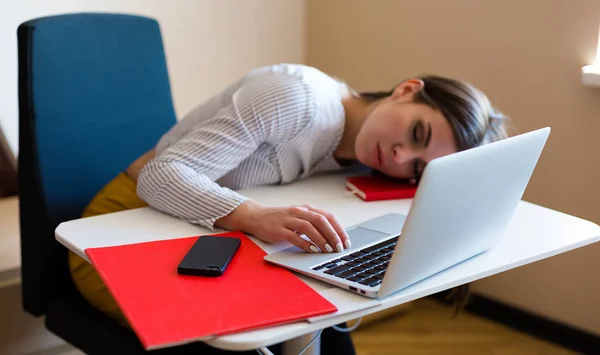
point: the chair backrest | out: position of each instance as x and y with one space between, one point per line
94 94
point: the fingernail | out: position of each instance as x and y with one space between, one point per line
339 247
328 248
347 244
314 249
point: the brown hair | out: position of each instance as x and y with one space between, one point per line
473 119
474 122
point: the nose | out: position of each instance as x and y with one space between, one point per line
402 155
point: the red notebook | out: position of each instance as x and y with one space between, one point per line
377 188
165 308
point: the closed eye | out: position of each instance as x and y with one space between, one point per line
417 133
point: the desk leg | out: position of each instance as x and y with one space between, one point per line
293 346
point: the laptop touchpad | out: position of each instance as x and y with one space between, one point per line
361 236
390 223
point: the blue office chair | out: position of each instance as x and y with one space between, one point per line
94 94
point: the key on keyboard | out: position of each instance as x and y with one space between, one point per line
337 269
346 274
372 256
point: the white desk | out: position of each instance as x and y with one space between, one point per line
534 233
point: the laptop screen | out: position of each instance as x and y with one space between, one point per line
8 169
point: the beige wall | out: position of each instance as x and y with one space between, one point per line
208 42
527 56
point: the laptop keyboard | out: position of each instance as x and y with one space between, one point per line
366 266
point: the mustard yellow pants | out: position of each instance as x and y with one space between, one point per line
118 195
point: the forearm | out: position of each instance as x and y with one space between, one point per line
178 190
240 219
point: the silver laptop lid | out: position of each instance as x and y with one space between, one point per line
462 207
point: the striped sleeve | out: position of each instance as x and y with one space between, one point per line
180 181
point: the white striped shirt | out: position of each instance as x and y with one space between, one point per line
275 125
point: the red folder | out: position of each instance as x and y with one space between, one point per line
165 308
377 188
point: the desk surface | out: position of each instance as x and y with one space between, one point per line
533 234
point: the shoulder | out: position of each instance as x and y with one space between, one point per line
278 100
296 87
295 84
317 94
315 80
309 80
284 99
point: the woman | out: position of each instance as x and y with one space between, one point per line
278 124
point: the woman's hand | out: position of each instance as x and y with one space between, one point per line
277 224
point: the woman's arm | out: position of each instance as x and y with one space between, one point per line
181 180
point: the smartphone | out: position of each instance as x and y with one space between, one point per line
209 256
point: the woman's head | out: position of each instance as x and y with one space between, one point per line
422 119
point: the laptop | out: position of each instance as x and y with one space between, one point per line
462 207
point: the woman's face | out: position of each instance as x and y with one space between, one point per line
400 137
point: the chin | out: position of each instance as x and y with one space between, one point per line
363 153
361 157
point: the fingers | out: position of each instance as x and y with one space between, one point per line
324 228
303 226
298 241
319 228
335 223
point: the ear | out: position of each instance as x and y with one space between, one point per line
408 88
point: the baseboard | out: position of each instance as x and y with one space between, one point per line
530 323
9 278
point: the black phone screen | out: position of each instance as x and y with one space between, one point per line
209 256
